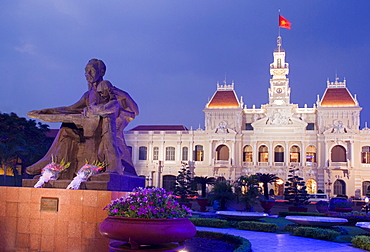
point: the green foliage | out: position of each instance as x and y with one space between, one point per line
352 217
222 192
209 222
241 244
247 190
285 213
184 184
204 181
266 178
316 233
361 241
295 189
257 226
22 139
322 203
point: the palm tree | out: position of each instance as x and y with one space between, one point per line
247 188
204 181
266 178
223 193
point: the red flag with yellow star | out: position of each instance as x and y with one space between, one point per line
284 23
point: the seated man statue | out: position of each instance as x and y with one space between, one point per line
81 133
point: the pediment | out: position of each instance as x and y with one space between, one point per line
282 125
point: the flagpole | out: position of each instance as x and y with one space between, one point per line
278 23
278 40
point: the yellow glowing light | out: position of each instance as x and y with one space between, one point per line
279 181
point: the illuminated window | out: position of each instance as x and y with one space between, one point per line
263 154
365 155
170 153
247 154
311 155
311 186
198 153
143 153
295 154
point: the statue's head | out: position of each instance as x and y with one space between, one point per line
95 70
104 89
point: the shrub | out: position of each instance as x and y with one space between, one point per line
285 213
361 241
257 226
208 222
241 244
352 217
316 233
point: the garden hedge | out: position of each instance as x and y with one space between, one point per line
316 233
208 222
242 244
257 226
361 241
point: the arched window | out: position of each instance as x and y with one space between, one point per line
155 153
143 153
263 154
311 185
247 154
222 152
198 153
295 154
366 188
338 154
185 151
170 153
310 155
365 155
339 187
279 154
169 182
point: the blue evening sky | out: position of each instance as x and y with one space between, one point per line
170 54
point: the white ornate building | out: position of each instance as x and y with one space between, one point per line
324 142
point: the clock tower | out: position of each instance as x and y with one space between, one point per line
279 91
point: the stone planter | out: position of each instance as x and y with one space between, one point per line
139 231
267 205
322 209
203 203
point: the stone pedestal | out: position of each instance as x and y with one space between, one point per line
103 182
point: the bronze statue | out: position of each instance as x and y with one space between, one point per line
92 128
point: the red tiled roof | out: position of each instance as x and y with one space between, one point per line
337 97
224 99
159 128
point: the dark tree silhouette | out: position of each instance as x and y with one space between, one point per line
21 139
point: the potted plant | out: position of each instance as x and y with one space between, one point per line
341 205
322 206
295 192
247 190
222 193
266 202
204 181
184 185
145 217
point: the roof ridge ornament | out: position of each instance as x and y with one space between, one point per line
336 83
